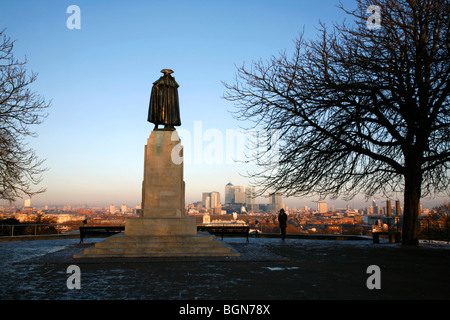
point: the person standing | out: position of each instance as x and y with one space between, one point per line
282 220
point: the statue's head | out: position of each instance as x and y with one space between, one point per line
166 71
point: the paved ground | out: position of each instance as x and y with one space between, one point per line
268 269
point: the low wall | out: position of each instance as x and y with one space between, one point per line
40 237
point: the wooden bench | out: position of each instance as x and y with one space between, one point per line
393 236
224 229
99 231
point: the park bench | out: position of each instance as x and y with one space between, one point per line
393 236
102 231
226 230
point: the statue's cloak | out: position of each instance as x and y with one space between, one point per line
164 108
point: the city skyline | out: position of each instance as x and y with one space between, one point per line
217 198
99 79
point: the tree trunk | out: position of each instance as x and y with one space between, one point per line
413 186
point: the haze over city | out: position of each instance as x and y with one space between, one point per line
99 79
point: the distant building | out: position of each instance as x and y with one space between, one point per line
388 208
239 195
206 199
27 203
234 194
249 197
275 201
398 210
375 208
211 199
215 199
229 193
63 218
218 209
322 207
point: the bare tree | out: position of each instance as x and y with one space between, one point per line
436 225
359 109
20 108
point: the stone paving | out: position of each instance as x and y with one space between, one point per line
268 269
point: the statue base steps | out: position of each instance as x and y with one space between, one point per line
123 246
161 226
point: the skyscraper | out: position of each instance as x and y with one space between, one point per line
229 193
239 194
275 201
206 199
322 207
398 210
215 199
376 210
388 208
249 197
234 194
211 199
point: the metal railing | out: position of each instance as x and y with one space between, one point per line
22 229
426 232
319 228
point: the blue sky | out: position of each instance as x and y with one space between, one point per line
100 76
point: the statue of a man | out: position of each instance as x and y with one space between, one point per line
164 107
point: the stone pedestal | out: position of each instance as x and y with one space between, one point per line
162 230
172 226
163 185
162 209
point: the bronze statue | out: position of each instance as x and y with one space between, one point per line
164 108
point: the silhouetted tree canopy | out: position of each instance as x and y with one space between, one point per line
20 108
359 109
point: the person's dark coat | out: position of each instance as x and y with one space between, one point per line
282 219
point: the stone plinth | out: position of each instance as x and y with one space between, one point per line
160 226
162 211
163 185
